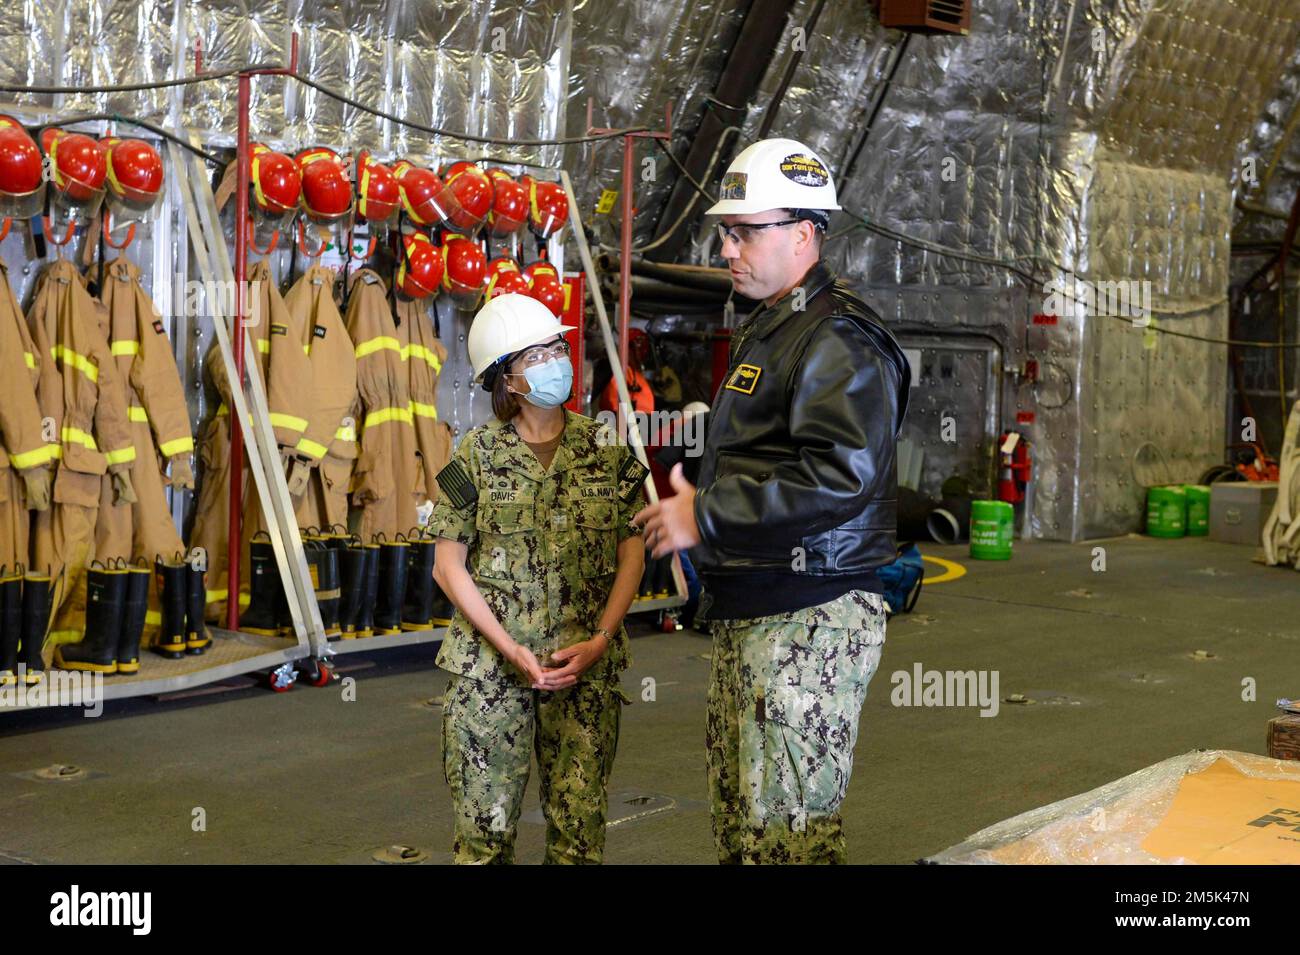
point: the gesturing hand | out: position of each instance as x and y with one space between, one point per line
670 524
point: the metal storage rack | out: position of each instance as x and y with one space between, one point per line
233 653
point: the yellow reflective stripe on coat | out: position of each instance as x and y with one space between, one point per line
424 411
33 459
121 456
372 345
384 415
79 362
179 446
310 447
77 436
30 359
120 349
345 434
138 415
428 354
264 346
280 420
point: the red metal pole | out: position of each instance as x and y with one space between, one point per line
625 257
625 265
234 544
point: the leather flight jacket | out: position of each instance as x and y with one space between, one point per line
798 485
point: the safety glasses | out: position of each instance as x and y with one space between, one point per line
744 232
540 354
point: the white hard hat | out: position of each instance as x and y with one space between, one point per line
507 324
694 407
775 174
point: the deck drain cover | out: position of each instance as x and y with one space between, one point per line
630 806
59 772
400 855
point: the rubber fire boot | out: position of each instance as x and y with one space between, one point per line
36 621
327 586
196 598
352 585
262 616
417 611
11 623
172 594
133 618
392 585
663 575
105 596
369 591
645 589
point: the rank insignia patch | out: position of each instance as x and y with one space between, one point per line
744 378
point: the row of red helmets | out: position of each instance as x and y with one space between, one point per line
80 168
462 198
460 269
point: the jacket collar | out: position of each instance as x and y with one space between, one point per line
816 281
575 447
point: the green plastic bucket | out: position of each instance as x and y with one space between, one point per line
1167 511
1198 510
992 525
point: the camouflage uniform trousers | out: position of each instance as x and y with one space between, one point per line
489 732
785 695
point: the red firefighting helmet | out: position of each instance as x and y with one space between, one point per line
420 271
425 198
548 208
504 277
275 180
326 192
22 192
550 292
77 166
509 204
472 190
378 195
466 272
134 171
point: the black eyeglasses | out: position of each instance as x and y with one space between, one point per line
743 232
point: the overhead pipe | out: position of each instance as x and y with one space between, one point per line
747 64
698 277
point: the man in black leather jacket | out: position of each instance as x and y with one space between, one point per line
793 513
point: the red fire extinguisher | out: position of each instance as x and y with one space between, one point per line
1016 466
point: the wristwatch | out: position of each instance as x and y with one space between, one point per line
608 637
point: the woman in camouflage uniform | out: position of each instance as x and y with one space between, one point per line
537 553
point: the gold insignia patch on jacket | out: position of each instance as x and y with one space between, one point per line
744 378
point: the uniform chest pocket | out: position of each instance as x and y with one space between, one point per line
596 537
507 540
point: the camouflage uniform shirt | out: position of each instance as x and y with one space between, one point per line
542 544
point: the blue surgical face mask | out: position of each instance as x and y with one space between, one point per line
550 382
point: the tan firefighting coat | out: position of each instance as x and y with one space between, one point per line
329 443
23 447
79 391
424 362
383 486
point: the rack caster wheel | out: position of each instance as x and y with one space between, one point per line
668 623
282 678
317 673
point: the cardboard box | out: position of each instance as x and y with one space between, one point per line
1239 510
